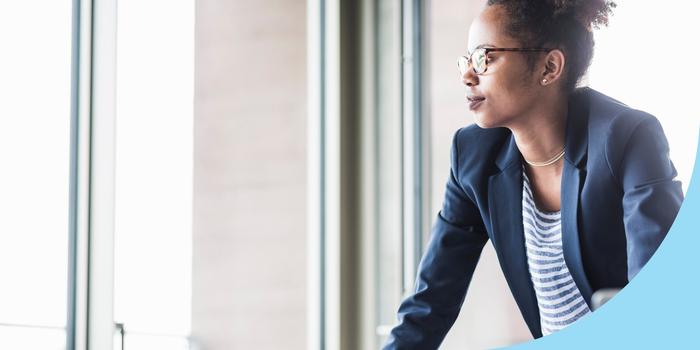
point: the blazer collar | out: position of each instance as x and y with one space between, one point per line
577 127
576 139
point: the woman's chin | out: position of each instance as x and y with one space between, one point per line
483 121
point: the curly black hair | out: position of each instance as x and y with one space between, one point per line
563 24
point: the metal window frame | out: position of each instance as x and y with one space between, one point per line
89 316
416 134
332 207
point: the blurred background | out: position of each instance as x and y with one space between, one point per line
219 174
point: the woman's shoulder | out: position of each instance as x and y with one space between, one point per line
474 140
476 137
621 131
475 151
612 118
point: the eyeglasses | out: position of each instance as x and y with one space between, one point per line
479 58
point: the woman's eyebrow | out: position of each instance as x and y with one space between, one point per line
482 46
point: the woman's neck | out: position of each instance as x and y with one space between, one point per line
540 134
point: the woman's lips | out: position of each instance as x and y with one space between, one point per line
475 101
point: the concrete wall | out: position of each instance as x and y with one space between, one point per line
249 223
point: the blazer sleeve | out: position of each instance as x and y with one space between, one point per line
445 270
651 197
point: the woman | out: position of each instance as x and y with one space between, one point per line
574 189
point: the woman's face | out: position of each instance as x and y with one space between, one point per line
508 89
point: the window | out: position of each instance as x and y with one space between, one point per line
153 179
389 151
397 140
35 122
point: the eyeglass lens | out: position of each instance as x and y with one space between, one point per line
477 59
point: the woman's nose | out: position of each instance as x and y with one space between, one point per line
469 78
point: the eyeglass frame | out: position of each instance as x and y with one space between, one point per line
487 50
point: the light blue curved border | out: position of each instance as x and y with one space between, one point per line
660 307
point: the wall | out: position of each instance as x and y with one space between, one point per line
249 223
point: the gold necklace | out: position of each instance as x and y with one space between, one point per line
547 162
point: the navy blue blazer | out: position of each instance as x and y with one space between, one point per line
618 201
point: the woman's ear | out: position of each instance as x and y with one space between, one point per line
553 70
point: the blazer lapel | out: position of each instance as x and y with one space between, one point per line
505 208
573 178
571 181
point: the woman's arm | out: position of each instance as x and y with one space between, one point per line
445 270
652 197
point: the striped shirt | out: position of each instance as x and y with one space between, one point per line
559 300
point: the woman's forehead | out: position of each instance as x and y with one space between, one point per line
487 29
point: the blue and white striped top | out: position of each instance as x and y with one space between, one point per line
559 300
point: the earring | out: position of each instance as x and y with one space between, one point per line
544 81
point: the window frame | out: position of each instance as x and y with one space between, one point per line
343 262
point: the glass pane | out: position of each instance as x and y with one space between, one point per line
35 67
153 178
389 161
